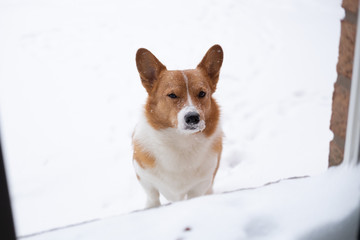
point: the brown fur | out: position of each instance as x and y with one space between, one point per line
143 158
161 111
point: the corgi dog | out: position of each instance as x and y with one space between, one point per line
178 140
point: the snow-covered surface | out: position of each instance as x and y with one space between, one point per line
70 95
321 207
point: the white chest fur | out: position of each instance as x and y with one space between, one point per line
184 164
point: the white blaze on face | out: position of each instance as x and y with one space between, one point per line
189 108
187 88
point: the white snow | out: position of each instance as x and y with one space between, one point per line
293 209
70 95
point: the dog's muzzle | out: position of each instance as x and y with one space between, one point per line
189 120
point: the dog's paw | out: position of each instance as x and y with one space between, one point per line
152 203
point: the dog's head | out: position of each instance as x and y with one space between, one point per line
181 99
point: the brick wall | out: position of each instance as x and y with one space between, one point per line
343 83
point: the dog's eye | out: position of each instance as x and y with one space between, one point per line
202 94
172 95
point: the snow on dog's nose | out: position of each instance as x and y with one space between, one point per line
189 120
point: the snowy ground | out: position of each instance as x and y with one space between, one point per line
70 95
321 207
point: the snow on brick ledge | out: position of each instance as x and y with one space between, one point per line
320 207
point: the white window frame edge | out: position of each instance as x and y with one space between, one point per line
352 141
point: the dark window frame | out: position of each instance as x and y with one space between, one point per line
7 228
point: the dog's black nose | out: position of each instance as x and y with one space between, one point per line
192 118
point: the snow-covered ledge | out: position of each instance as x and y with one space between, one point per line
320 207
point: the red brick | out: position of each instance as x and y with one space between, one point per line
336 155
340 107
351 5
346 49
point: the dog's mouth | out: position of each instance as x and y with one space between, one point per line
192 128
199 126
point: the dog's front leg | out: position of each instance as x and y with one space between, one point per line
152 194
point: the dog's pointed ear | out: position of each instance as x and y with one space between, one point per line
211 63
149 68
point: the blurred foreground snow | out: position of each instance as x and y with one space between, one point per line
321 207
